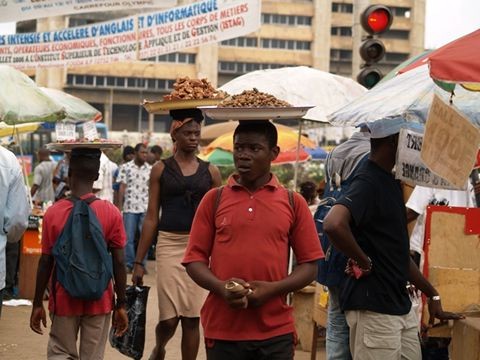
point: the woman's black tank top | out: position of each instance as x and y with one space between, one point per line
180 195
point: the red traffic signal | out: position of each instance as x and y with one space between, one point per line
372 50
376 19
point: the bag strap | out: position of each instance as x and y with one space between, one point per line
217 200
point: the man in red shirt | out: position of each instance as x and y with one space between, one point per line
246 239
72 315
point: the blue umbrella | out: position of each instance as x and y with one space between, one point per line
318 153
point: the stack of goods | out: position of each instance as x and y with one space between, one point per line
253 99
193 89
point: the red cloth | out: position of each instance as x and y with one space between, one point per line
250 243
114 231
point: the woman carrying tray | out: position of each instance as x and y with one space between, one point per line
177 185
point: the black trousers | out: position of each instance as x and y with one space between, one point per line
277 348
12 254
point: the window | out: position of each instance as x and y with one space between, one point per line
340 55
396 34
400 11
181 58
231 67
342 8
341 31
290 20
285 44
241 42
396 57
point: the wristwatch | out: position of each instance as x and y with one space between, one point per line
435 298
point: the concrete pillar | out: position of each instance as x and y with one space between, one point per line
358 33
207 63
321 27
51 77
417 32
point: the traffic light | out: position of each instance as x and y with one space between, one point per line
376 19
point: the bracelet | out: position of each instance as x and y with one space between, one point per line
435 298
139 263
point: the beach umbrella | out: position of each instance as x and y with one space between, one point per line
222 157
287 140
455 62
403 101
12 130
318 153
300 86
21 100
76 109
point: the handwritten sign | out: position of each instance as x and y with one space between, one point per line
21 10
65 131
90 130
450 144
409 166
133 38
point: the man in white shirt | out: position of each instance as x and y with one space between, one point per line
42 188
423 196
14 208
103 186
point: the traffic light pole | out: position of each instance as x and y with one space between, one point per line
358 33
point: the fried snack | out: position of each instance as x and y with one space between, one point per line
233 286
194 89
253 99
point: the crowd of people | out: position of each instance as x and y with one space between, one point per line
222 251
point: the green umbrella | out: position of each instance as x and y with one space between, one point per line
21 100
218 157
76 109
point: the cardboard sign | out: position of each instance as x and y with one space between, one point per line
409 166
65 131
131 38
450 143
90 130
21 10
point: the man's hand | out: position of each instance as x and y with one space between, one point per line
37 318
237 298
137 274
120 321
262 291
354 270
436 312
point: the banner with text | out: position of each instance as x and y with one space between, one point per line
450 143
409 166
133 38
20 10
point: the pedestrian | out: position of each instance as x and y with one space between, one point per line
14 209
240 240
128 154
154 154
177 184
103 186
308 190
369 225
133 199
73 317
423 196
60 177
42 188
340 168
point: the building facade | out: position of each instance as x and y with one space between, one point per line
315 33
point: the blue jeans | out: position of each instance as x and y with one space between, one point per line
133 222
338 336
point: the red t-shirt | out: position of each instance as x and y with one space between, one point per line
114 231
248 239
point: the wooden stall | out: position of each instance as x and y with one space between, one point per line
452 265
30 252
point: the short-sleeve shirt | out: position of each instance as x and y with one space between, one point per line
42 177
136 194
422 196
112 225
379 225
248 238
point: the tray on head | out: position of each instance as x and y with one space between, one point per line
154 107
250 113
68 146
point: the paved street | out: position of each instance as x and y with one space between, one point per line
17 341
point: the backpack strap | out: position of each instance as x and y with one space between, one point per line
217 199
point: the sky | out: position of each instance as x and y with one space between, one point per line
446 20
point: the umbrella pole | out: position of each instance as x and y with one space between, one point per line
25 176
297 156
